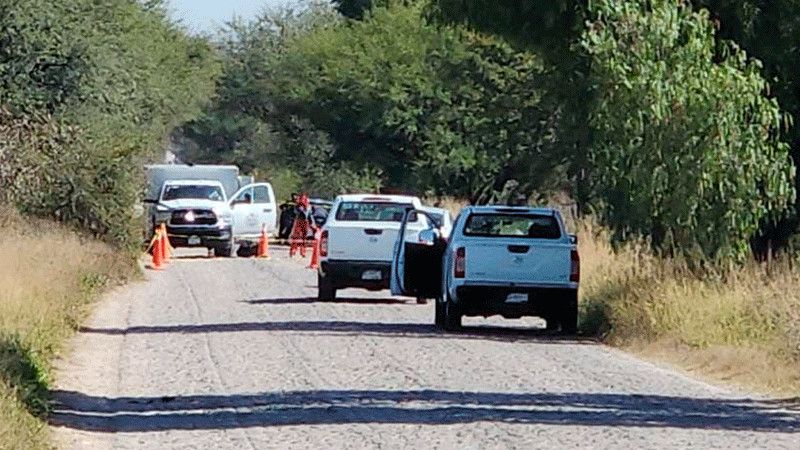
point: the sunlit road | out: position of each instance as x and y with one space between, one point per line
235 353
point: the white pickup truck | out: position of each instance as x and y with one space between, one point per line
197 213
511 261
358 238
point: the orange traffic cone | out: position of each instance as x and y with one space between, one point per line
263 243
314 265
158 249
166 249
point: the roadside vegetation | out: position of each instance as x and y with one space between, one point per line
49 276
737 323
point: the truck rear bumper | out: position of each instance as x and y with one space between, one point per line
512 301
346 274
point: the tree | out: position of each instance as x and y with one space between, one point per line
89 91
687 149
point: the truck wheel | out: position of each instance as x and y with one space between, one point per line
452 316
439 317
224 250
569 313
325 290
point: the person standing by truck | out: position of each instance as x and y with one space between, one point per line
302 223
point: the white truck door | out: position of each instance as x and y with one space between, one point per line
245 218
264 206
417 259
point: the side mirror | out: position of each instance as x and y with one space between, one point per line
427 237
573 238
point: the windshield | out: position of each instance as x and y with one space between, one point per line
371 211
438 219
201 192
513 225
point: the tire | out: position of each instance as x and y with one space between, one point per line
569 313
224 250
438 318
452 316
325 290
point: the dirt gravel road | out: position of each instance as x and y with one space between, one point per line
235 353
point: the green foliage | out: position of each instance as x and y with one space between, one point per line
549 26
663 129
90 90
686 147
389 100
20 370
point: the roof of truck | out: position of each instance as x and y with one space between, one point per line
193 182
377 198
494 209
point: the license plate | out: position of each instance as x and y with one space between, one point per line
517 298
371 275
194 240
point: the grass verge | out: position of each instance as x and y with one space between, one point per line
736 324
48 278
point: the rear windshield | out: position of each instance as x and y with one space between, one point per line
371 211
513 225
177 192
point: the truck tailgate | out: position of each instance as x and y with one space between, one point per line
499 260
362 241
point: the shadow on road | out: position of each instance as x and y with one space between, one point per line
425 407
341 328
357 301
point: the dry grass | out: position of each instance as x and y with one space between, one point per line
48 276
737 324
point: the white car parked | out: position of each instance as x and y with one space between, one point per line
511 261
442 218
358 238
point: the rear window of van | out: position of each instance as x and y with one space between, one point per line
532 226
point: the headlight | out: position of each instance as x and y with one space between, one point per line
161 208
223 214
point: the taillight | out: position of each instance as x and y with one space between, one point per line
575 267
323 244
460 266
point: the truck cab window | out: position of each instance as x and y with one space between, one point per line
246 196
261 194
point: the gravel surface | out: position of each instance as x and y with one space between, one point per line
235 353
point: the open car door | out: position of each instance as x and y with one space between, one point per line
417 259
253 206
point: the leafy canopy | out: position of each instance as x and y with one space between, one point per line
686 147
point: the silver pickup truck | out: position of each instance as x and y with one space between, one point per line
511 261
